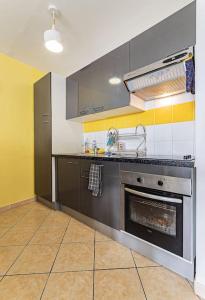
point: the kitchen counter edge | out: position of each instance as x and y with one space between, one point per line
138 160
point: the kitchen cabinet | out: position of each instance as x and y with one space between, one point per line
71 97
104 208
51 132
89 90
43 138
173 34
68 182
95 92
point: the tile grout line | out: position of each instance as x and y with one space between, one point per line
94 268
24 246
138 275
15 223
55 258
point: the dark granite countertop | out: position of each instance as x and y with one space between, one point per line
177 161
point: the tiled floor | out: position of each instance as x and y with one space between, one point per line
46 254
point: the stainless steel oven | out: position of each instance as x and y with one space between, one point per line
158 209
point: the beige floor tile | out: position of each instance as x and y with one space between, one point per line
121 284
78 232
142 261
7 257
48 235
16 236
20 210
74 257
69 286
35 259
23 287
110 255
161 284
32 220
8 219
56 218
99 237
3 229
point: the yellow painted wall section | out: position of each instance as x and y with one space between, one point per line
169 114
16 130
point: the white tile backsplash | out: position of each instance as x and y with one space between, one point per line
163 133
150 148
150 133
164 139
183 131
163 148
183 148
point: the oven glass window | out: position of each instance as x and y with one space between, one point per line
154 215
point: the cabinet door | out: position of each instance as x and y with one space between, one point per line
167 37
43 138
71 97
96 94
105 208
68 182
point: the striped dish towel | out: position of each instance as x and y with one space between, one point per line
95 180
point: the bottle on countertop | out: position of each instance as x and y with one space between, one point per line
94 147
86 149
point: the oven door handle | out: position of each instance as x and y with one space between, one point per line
153 197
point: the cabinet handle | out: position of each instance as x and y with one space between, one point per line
72 163
85 177
46 122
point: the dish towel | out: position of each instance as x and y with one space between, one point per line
190 76
95 180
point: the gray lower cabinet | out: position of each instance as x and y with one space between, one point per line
43 138
106 208
173 34
68 182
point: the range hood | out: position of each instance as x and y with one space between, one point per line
161 79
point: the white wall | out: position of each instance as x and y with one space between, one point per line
66 135
200 150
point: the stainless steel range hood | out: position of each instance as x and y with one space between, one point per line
161 79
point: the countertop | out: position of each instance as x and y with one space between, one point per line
177 161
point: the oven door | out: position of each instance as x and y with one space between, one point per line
156 217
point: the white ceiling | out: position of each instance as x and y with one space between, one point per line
90 28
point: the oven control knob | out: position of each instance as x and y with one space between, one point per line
139 179
160 182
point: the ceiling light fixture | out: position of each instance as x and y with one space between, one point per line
52 37
115 80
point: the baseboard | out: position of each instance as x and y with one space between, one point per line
199 289
46 202
17 204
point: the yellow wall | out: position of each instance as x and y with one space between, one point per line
16 130
169 114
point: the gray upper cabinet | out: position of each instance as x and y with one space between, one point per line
95 92
71 97
89 90
167 37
